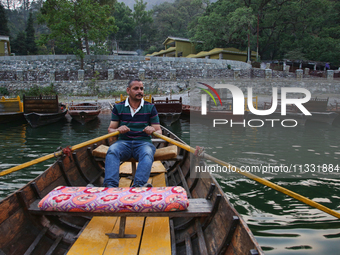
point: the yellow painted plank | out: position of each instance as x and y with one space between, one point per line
157 167
165 153
134 225
124 182
159 180
93 239
156 234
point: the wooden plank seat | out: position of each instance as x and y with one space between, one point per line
198 207
166 153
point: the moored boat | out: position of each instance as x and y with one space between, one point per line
194 112
84 112
323 117
169 110
316 106
11 110
43 110
22 231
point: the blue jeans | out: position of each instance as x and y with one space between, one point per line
123 150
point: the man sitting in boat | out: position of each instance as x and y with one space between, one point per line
136 120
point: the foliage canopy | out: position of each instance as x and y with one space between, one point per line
72 23
293 29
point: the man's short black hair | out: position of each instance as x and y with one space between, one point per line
132 80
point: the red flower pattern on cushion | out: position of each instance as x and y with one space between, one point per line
94 199
61 198
94 190
154 198
109 198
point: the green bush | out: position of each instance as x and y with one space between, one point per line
35 90
4 91
117 93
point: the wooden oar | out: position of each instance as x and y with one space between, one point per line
254 177
56 154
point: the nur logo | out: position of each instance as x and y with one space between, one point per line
238 100
204 97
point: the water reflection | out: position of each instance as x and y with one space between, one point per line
91 125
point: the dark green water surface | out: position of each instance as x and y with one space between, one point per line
282 225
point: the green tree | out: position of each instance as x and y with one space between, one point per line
224 24
173 19
126 27
3 21
143 20
303 29
71 23
30 37
18 44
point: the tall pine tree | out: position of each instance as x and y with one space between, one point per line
3 21
18 44
30 39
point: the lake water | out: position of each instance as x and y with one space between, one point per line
282 225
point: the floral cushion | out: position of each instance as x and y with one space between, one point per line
98 199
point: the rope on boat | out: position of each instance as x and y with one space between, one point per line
254 177
199 152
65 151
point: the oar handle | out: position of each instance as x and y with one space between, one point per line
56 154
255 178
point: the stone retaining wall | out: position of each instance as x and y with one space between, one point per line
107 74
260 86
64 67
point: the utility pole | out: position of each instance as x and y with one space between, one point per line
249 57
257 43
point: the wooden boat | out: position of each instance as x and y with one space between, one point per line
23 230
43 110
316 106
323 117
122 97
84 112
11 110
213 112
169 111
194 112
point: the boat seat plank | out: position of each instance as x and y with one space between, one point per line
127 168
165 153
198 207
156 227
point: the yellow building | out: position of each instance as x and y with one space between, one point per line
176 47
181 47
5 49
224 53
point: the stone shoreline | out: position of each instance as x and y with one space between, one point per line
192 98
